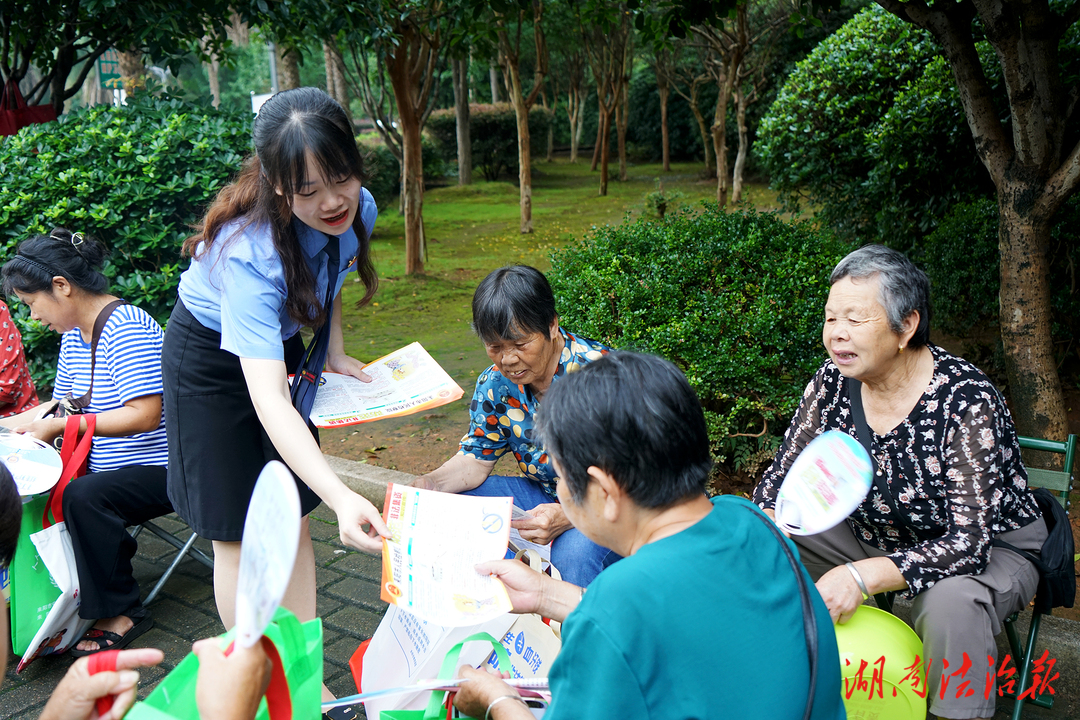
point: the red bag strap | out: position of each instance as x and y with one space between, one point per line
278 698
73 454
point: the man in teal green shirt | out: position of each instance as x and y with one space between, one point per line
703 618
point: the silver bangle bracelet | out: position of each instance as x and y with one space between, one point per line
496 701
858 580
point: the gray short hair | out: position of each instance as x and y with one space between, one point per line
904 287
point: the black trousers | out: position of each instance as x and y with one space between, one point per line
98 509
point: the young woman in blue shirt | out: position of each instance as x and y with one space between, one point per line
260 271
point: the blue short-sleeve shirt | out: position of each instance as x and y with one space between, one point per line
502 414
237 287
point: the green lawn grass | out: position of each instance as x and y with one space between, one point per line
474 229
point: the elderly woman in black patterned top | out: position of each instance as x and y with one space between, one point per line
948 478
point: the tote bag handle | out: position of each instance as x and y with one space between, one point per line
74 454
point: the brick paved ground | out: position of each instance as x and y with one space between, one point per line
348 603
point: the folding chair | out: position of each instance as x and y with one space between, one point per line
183 547
1060 483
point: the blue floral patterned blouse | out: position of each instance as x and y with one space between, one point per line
502 414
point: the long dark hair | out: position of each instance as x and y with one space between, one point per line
289 125
75 256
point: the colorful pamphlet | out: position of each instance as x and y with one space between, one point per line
429 564
404 382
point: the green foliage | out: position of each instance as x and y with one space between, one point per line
384 170
869 128
660 202
493 131
137 177
734 299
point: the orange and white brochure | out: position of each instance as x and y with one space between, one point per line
404 382
429 563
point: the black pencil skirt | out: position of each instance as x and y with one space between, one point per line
217 446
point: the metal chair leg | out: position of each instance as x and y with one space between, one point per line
184 549
168 573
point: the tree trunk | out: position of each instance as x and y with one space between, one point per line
706 139
599 135
288 68
414 194
213 75
719 135
521 111
494 84
400 68
335 76
213 71
744 144
665 140
460 71
1034 384
605 149
573 113
580 124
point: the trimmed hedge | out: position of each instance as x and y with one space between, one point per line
137 177
493 131
869 128
736 300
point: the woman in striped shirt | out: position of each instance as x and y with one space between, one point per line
59 278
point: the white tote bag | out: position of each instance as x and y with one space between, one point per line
63 627
406 649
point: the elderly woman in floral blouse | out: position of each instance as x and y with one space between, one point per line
948 478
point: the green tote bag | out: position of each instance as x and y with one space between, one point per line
435 709
33 591
300 650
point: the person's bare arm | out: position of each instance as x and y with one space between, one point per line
841 592
266 381
230 687
456 475
534 592
138 415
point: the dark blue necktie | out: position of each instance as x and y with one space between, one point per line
306 380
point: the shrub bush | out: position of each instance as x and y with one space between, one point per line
734 299
137 177
493 131
870 128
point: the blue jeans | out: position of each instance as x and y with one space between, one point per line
578 558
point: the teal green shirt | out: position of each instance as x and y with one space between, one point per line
706 623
